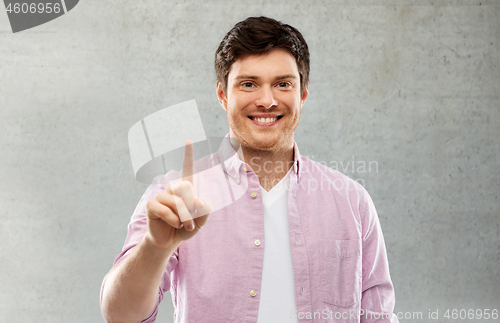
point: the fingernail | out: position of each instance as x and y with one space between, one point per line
180 225
190 227
202 204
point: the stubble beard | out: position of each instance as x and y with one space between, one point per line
257 146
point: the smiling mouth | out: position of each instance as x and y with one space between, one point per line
265 120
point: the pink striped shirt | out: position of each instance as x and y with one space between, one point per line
339 258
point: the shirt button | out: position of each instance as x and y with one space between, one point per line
245 168
299 174
254 194
235 175
253 293
257 243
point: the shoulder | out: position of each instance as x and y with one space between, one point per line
329 181
317 170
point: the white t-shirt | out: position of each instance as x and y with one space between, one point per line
277 295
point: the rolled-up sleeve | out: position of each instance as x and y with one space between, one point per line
137 227
377 299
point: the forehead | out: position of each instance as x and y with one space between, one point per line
275 63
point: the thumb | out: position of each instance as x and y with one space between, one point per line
203 208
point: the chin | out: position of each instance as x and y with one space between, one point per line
264 144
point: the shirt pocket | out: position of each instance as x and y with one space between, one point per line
341 271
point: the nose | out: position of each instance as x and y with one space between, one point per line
266 98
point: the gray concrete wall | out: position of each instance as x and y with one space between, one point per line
412 86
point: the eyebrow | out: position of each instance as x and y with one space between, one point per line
251 77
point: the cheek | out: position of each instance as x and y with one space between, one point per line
290 99
238 103
233 111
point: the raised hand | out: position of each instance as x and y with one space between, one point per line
177 214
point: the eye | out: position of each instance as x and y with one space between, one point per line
284 84
247 84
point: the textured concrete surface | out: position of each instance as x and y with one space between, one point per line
410 88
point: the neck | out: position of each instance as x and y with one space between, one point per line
269 165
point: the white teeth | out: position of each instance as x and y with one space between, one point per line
266 120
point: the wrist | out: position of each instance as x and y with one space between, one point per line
149 243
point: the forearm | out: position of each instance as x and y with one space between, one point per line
130 291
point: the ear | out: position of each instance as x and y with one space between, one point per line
221 96
305 94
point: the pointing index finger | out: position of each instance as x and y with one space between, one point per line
188 163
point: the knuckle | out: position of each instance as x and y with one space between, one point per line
176 188
185 186
208 206
163 212
179 202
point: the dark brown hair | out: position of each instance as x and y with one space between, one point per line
260 35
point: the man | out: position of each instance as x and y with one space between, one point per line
302 244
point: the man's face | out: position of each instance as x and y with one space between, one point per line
263 100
